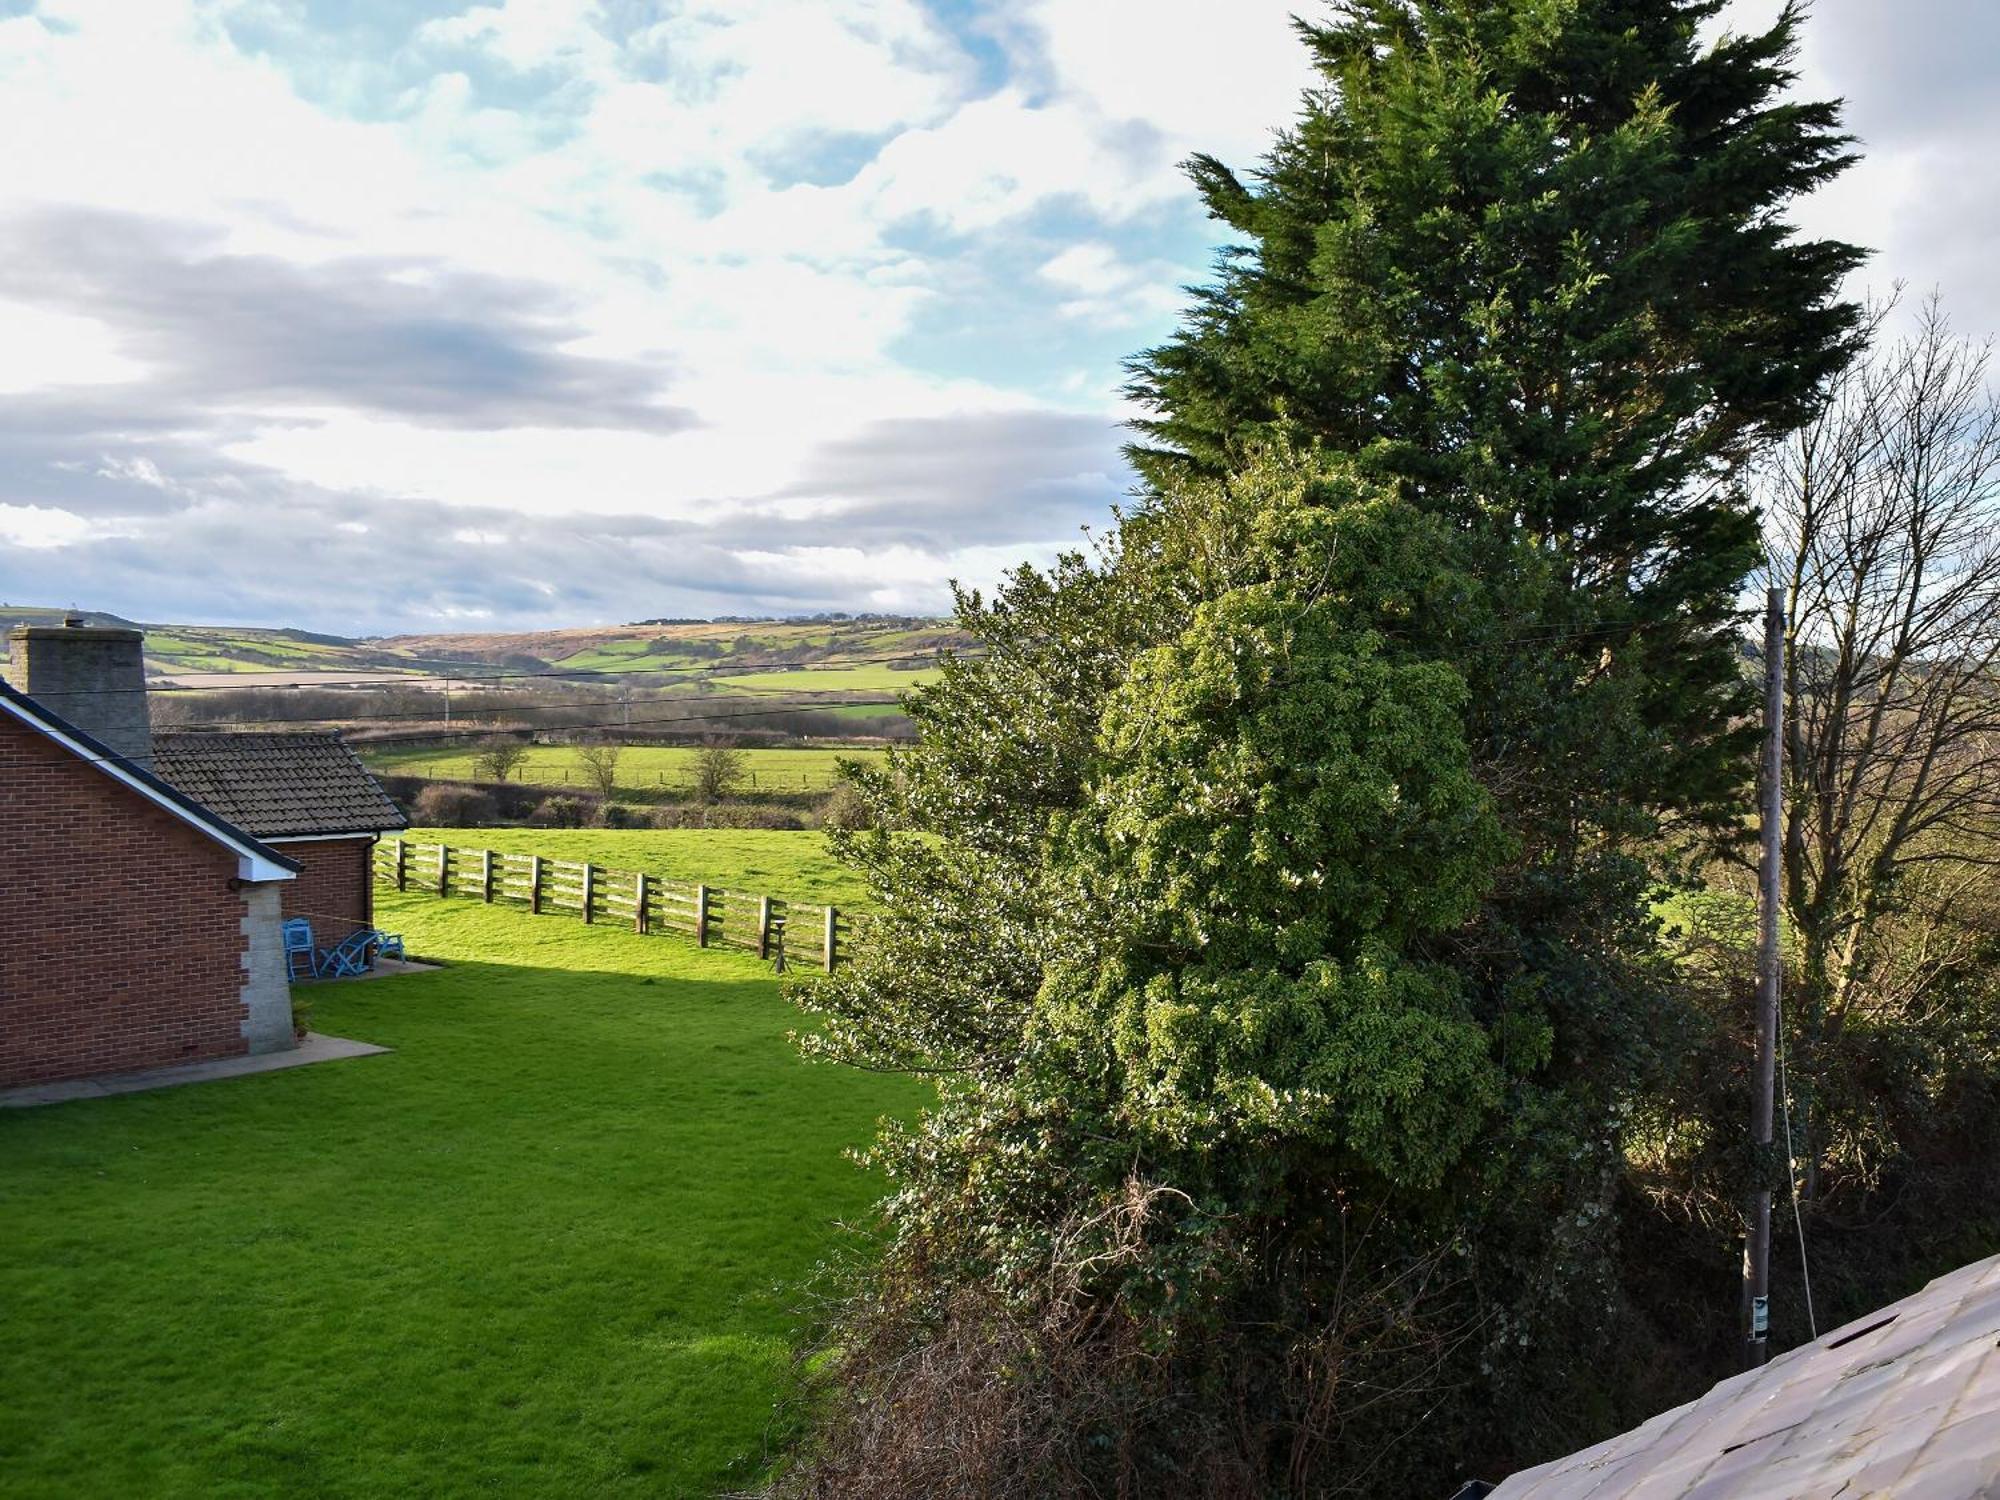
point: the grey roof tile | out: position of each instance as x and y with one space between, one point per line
1904 1402
277 785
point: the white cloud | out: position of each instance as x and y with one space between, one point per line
40 348
746 215
40 526
1103 287
527 33
1208 78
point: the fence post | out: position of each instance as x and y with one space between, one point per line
444 869
701 915
763 926
486 876
831 916
535 883
589 887
402 851
639 895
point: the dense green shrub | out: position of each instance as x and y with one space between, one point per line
560 812
729 815
445 805
845 809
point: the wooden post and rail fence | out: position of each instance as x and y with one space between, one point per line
712 915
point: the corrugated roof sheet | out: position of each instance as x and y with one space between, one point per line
1903 1402
277 785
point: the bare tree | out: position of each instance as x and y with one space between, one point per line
599 759
718 770
498 756
1883 523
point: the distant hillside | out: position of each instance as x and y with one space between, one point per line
868 654
35 614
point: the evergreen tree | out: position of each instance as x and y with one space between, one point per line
1529 258
1269 897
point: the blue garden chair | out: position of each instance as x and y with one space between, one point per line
352 954
301 958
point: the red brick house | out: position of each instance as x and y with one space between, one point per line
143 883
137 928
306 795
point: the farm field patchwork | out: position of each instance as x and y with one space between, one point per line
551 1245
641 768
775 862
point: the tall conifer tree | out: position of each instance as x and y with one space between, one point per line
1529 258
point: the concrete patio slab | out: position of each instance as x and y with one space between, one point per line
314 1049
385 968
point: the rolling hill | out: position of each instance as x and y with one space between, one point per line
831 654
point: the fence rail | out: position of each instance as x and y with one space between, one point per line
711 915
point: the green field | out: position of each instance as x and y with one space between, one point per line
770 862
878 678
640 767
202 649
551 1245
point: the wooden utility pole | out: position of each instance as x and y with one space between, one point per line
1757 1246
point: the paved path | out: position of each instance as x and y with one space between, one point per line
314 1049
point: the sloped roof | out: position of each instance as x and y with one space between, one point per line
1903 1402
278 785
254 860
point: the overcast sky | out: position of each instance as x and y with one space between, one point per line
378 315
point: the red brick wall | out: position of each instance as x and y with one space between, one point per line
334 891
121 944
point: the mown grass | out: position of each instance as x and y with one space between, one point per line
772 862
551 1245
641 768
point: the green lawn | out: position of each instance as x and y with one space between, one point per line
640 767
773 862
549 1246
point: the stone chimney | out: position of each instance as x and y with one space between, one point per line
91 676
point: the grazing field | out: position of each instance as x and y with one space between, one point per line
641 768
551 1245
881 679
772 862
